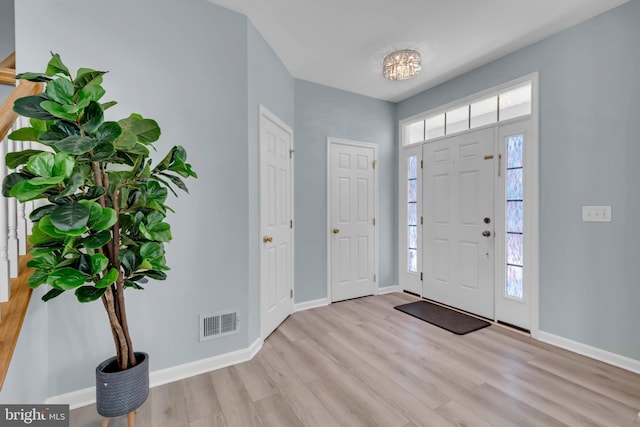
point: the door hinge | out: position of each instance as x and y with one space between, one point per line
420 276
421 164
291 154
374 221
291 293
374 277
290 223
421 218
374 164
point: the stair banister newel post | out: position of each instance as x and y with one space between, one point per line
5 289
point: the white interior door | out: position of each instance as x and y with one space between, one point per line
458 262
276 216
352 190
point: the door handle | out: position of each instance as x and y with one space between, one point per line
336 230
267 239
486 233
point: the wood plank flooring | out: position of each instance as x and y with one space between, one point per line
362 363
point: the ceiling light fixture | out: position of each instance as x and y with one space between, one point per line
401 64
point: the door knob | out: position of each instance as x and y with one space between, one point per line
336 230
267 239
486 233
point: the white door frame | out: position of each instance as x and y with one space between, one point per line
531 181
265 114
331 141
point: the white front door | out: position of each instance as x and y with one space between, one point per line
352 219
458 203
276 216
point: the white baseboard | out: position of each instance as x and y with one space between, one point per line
87 396
388 289
592 352
307 305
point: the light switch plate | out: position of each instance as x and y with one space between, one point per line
596 213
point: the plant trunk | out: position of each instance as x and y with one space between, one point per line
113 298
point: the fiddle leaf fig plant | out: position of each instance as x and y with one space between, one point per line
99 227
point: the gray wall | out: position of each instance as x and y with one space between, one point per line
7 39
323 112
271 85
193 81
589 95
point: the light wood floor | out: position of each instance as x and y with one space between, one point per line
362 363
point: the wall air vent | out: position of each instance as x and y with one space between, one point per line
219 324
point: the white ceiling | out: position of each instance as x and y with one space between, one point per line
341 43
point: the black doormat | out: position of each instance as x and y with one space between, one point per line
451 320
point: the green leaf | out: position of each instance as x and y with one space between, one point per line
38 213
151 250
55 66
25 134
39 125
90 93
33 77
108 132
11 180
76 145
128 260
108 279
52 294
41 164
103 151
37 278
89 293
98 263
65 112
39 237
47 227
132 284
92 117
157 275
67 129
46 181
29 106
145 130
73 185
177 181
60 91
97 240
25 191
87 76
18 158
66 278
63 165
107 105
106 220
70 217
94 193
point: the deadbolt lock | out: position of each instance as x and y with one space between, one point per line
487 220
336 230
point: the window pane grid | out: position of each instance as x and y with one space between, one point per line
514 224
412 213
515 102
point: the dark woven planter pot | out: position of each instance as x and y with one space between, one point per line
121 392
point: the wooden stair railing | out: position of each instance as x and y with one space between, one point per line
8 70
7 115
13 312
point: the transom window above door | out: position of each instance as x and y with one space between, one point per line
510 103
